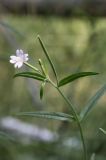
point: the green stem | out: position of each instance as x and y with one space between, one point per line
76 117
34 68
77 120
29 65
71 107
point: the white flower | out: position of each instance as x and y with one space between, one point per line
19 59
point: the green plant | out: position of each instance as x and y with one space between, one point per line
42 75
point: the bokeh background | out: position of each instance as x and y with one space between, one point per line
74 32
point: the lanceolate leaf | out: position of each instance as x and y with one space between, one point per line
33 75
42 90
103 130
75 76
49 115
91 103
48 57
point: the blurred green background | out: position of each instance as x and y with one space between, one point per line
75 44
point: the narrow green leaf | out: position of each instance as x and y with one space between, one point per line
7 26
6 136
75 76
33 75
48 57
103 130
49 115
93 157
91 103
43 68
42 90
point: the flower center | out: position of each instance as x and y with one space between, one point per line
19 59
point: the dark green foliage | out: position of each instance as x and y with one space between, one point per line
75 76
33 75
42 90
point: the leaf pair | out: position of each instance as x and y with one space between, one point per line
64 81
67 79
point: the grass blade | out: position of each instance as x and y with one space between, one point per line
49 115
75 76
91 103
48 57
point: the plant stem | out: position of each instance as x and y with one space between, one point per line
34 68
76 118
29 65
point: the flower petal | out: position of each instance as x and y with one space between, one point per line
26 59
21 52
19 59
13 57
17 52
16 65
26 55
12 61
19 64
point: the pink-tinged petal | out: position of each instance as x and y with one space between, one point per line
26 55
12 61
18 52
19 59
16 65
26 59
21 52
20 64
13 57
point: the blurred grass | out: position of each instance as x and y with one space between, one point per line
74 45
